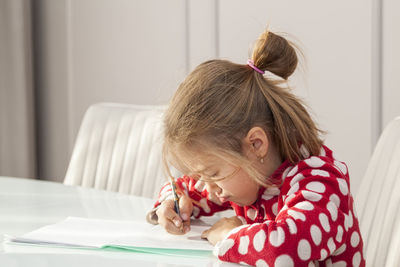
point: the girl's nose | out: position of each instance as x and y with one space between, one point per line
213 188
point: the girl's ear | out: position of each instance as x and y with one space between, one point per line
256 143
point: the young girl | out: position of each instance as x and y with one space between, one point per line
247 143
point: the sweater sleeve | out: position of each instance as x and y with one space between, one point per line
204 202
312 222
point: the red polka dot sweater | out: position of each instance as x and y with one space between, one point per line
309 221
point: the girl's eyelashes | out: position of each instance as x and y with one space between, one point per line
214 175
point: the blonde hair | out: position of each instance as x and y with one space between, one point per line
220 101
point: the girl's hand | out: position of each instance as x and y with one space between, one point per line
169 219
220 229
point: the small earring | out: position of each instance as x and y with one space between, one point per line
262 160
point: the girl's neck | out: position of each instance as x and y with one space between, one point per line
273 160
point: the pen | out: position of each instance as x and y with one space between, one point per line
176 198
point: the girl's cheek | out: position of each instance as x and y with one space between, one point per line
223 187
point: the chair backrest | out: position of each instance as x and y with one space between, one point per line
118 148
378 201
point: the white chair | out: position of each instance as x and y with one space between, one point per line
118 148
378 201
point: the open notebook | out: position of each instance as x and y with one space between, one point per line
84 233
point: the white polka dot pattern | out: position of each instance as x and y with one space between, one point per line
356 259
290 197
251 213
293 171
316 234
344 189
333 210
354 210
323 219
335 199
297 178
244 244
286 172
284 261
341 166
297 215
293 189
200 186
340 250
314 162
355 239
261 263
331 245
324 254
339 234
304 250
304 205
350 219
322 152
311 196
316 186
275 208
285 207
224 246
292 226
237 229
259 240
320 173
277 237
272 191
204 205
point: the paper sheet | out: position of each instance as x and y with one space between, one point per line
123 235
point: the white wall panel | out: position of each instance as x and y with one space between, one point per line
125 51
92 51
202 31
390 60
336 39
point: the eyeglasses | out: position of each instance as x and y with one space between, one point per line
206 178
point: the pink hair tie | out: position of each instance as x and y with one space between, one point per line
251 64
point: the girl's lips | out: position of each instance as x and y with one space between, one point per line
223 199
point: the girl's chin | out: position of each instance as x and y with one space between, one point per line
240 204
243 203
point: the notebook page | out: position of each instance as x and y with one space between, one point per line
158 238
97 233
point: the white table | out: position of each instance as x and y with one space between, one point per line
26 205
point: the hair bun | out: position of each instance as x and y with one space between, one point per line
274 54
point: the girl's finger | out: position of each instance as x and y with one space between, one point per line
204 234
167 211
185 207
186 226
171 228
